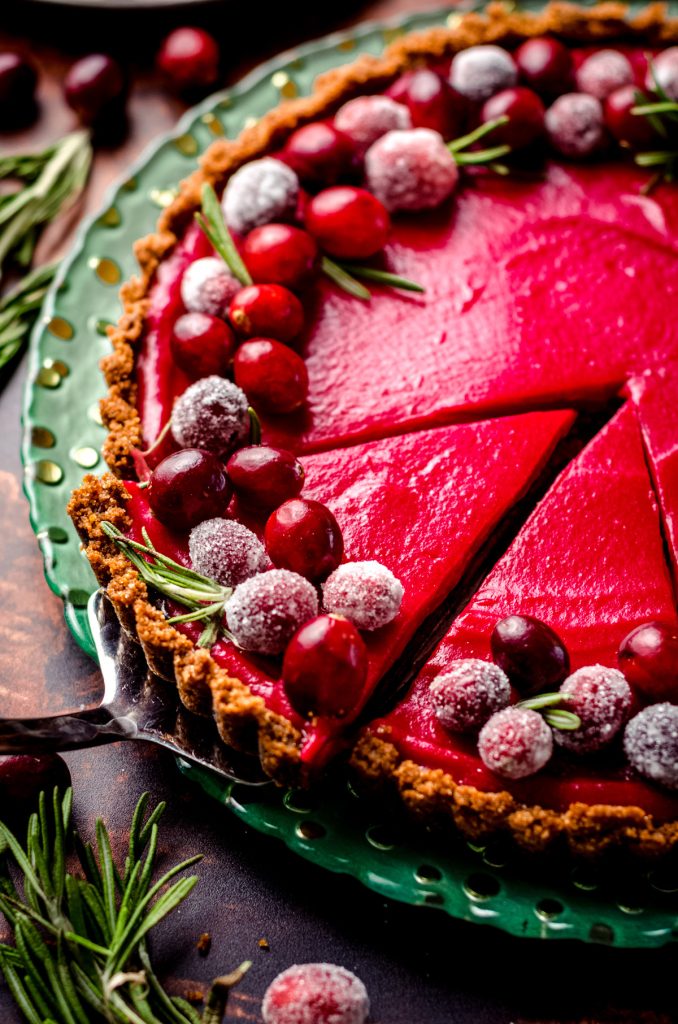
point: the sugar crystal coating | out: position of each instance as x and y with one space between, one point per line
315 994
266 610
651 744
515 742
601 697
481 71
575 124
665 68
208 287
469 692
366 593
410 170
603 72
226 551
366 118
211 414
258 193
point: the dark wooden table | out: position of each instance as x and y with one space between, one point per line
420 967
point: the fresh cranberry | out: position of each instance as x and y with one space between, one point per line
515 743
348 222
480 71
187 487
264 476
431 101
303 535
365 593
601 697
366 118
651 744
315 994
319 153
189 58
325 667
411 170
575 125
525 112
202 345
531 653
24 776
468 693
266 309
632 129
545 65
273 377
94 87
266 610
281 254
664 73
17 89
648 657
603 72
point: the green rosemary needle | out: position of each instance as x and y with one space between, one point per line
459 148
19 310
212 223
344 280
547 704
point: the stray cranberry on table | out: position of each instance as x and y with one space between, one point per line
189 58
95 87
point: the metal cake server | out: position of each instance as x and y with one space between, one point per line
136 706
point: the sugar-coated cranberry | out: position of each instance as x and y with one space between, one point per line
366 593
266 610
303 535
348 222
664 73
525 112
531 653
213 414
319 153
274 378
226 551
648 657
603 72
202 345
431 101
265 477
366 118
94 86
207 286
651 744
281 254
545 65
468 693
601 698
187 487
480 71
515 743
315 994
576 126
411 170
17 88
325 667
266 309
24 776
260 192
189 58
632 129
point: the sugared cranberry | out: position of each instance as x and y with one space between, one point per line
226 551
603 72
366 593
651 744
468 693
189 58
187 487
17 89
265 477
266 610
575 125
366 118
601 698
319 153
213 414
480 71
348 222
260 192
281 254
267 310
525 112
315 994
207 286
411 170
325 667
303 535
545 65
531 653
431 101
94 87
24 776
648 657
515 743
274 378
664 73
202 345
632 129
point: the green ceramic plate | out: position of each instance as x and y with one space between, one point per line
62 439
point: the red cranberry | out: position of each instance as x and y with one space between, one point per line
432 102
325 667
189 58
515 743
17 88
632 129
468 692
280 254
319 153
575 125
545 65
266 309
531 654
651 744
480 71
202 345
315 994
264 476
648 657
348 222
602 72
525 112
24 776
187 487
273 377
94 86
602 698
304 536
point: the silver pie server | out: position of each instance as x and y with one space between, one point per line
136 706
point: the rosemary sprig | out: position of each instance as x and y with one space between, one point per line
464 157
20 308
344 280
384 277
80 953
213 225
547 704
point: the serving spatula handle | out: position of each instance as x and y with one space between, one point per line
88 728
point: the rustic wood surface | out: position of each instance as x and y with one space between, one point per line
419 965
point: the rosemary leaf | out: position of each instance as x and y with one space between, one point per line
19 310
542 700
212 223
345 281
565 720
381 277
464 141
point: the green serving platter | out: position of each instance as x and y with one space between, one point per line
62 439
